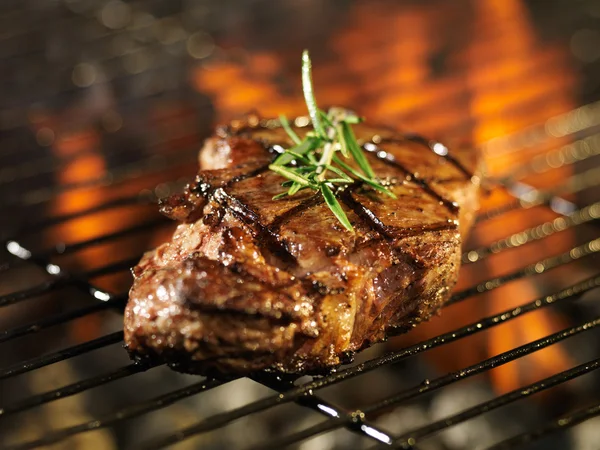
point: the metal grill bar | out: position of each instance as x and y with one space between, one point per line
133 411
63 280
580 150
584 215
50 321
572 123
134 200
48 164
61 355
152 224
42 288
556 158
428 385
154 164
295 394
220 420
75 246
539 197
559 424
75 388
329 425
408 440
534 269
328 409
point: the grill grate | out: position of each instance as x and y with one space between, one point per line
125 183
305 393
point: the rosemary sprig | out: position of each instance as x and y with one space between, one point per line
313 162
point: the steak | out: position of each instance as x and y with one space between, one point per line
249 283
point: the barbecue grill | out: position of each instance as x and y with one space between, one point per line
100 120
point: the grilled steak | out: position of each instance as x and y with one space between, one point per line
250 283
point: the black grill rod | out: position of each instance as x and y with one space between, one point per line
570 293
129 412
579 217
125 98
555 158
79 281
75 388
46 164
537 268
570 123
223 419
544 197
328 425
151 224
133 200
328 409
352 418
422 108
139 199
61 278
149 166
408 440
117 302
562 423
61 355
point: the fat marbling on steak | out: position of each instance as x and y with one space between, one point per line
250 283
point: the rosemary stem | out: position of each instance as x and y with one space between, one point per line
328 150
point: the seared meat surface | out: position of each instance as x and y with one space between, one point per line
250 283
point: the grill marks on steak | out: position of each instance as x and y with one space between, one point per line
249 283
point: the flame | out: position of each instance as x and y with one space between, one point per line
90 165
497 81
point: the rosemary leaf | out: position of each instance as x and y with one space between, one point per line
298 156
291 175
309 96
339 172
288 129
355 150
294 188
364 179
325 118
339 180
335 207
301 149
352 119
343 144
313 160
